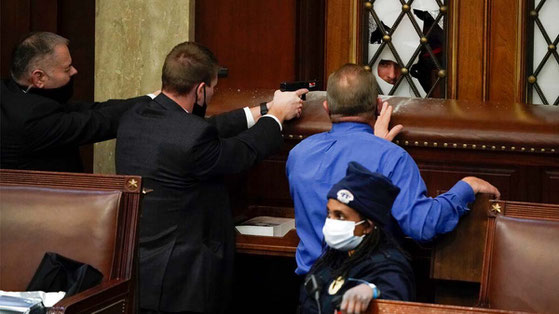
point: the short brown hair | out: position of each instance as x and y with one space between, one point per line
186 65
351 91
32 50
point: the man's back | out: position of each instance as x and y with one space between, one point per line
316 163
186 228
25 145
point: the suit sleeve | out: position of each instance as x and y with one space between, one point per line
214 155
76 124
422 217
230 123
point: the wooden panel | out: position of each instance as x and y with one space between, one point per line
471 47
338 35
44 15
15 23
550 186
268 183
255 40
505 68
400 307
458 255
439 177
309 59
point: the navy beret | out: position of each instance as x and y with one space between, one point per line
370 193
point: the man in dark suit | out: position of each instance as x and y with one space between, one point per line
40 130
186 229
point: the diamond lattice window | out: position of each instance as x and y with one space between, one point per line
543 59
406 46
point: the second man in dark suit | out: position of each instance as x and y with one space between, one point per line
40 129
186 229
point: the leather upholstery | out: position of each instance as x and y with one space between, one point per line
78 224
523 269
460 122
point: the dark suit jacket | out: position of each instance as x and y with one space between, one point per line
39 133
186 229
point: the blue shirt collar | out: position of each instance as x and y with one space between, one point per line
351 126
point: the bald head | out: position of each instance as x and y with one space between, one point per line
351 91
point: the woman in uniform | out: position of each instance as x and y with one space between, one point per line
361 261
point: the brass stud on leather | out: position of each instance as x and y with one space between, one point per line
533 13
531 79
406 143
445 144
367 68
290 136
523 149
454 145
435 144
425 143
474 146
503 147
532 150
512 148
405 7
397 141
443 9
368 5
416 143
483 147
543 150
386 38
423 40
464 145
493 147
441 73
551 47
300 137
553 150
404 71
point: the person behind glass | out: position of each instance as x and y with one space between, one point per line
362 261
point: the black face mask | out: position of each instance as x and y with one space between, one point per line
200 110
60 94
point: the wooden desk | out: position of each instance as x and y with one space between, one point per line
399 307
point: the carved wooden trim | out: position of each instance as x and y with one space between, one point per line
69 180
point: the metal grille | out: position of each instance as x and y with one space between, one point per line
414 55
542 53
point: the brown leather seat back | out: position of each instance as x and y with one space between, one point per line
524 266
78 224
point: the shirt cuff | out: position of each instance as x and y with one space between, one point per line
152 96
273 117
250 118
464 191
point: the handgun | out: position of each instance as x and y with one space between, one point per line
293 86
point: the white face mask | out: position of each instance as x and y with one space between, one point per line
339 234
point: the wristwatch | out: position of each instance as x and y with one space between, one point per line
263 108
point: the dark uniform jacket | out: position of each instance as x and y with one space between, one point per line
388 269
39 133
186 228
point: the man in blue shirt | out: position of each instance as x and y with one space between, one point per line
319 161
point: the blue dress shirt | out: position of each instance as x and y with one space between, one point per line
318 162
